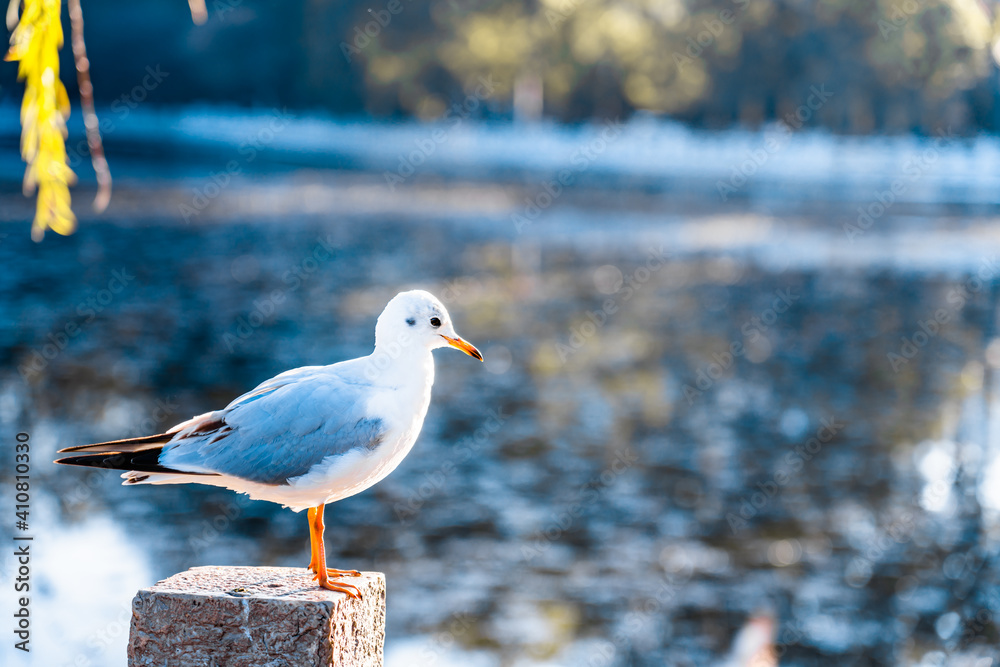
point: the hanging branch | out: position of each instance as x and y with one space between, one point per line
103 197
12 8
199 14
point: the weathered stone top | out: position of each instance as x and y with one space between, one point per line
279 583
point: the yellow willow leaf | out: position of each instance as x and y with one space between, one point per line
62 225
62 103
63 215
52 204
28 144
28 106
65 175
16 51
35 44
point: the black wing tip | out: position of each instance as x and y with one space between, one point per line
109 460
142 461
123 443
130 454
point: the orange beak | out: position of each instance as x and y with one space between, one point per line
464 346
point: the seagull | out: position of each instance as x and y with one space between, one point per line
309 436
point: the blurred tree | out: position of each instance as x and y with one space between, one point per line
881 65
892 64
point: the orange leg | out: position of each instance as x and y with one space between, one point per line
316 528
311 512
318 562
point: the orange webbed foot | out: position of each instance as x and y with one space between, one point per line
334 572
348 589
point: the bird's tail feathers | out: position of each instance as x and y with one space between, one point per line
131 454
126 445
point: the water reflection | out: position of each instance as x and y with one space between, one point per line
639 491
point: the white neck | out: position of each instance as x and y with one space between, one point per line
404 388
390 367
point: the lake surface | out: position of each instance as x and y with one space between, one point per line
692 412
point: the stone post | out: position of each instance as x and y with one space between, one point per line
256 617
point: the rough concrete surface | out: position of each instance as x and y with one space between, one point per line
256 617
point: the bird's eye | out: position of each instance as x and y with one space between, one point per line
435 322
410 321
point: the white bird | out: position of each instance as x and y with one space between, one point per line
309 436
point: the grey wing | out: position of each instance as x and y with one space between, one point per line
280 430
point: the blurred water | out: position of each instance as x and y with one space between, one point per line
777 166
656 449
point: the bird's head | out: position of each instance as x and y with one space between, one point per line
417 318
